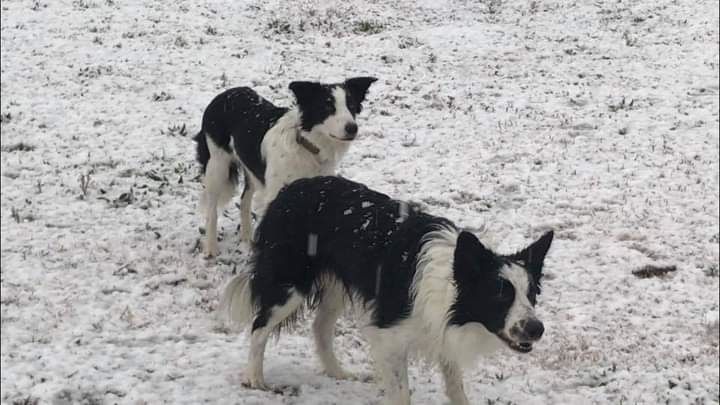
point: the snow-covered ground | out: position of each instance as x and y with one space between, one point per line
598 119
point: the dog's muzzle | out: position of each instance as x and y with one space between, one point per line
522 335
350 132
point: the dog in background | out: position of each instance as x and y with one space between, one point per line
271 145
427 287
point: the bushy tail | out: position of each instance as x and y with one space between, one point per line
236 304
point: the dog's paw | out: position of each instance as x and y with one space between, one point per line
341 374
256 384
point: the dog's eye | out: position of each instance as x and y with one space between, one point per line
505 292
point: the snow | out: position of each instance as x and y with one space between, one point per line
596 119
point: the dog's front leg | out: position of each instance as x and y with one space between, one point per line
453 383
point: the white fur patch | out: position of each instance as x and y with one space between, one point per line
521 308
259 337
288 161
426 332
464 344
216 179
334 125
434 290
219 189
236 305
433 287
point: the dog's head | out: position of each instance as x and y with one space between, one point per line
329 109
499 292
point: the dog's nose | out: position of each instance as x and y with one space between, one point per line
534 329
351 129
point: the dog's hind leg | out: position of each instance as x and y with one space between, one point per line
220 181
390 354
246 225
211 243
329 310
453 383
270 315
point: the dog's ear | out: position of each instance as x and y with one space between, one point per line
533 256
358 87
305 91
471 257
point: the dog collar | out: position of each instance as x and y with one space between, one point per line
309 146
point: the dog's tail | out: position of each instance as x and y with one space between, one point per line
236 304
220 170
202 153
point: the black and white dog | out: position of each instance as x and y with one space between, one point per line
272 145
427 287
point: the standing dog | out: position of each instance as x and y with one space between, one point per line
428 287
272 145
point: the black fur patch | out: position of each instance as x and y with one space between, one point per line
355 92
370 243
242 114
365 239
202 153
482 295
533 257
315 101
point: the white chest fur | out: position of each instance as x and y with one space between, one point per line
286 160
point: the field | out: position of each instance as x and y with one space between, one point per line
598 119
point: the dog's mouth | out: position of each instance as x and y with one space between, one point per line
342 139
520 347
